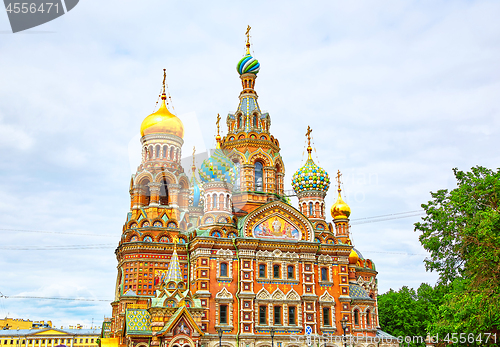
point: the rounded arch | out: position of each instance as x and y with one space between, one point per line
163 238
184 182
134 236
176 341
147 237
165 175
140 177
261 156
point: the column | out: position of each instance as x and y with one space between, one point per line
154 189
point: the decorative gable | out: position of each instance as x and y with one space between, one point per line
263 294
277 220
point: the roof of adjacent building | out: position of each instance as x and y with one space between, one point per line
357 292
24 332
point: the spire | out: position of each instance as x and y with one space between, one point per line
339 175
163 95
218 138
193 168
248 39
174 268
309 148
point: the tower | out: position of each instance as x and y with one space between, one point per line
311 184
250 145
340 213
218 175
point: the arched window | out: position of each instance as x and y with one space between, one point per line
311 209
164 192
254 120
146 192
171 156
157 148
214 201
324 274
150 152
356 317
259 187
223 269
178 156
290 272
262 271
165 148
276 271
242 125
228 202
368 318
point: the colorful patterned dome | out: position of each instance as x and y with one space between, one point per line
310 177
248 64
217 168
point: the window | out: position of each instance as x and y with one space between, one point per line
258 177
262 270
310 209
291 315
276 271
223 269
277 315
356 317
326 316
290 272
324 274
214 201
223 314
164 193
237 181
368 318
262 315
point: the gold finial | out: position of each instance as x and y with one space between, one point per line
248 39
308 134
163 95
218 138
194 165
338 180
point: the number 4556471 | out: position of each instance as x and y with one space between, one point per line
26 7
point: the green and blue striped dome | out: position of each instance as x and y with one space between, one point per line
248 64
310 177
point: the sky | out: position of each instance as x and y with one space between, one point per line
397 94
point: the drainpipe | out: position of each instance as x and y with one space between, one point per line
238 293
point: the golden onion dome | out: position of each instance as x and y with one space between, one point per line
353 257
340 210
162 121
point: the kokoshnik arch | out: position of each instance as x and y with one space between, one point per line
227 251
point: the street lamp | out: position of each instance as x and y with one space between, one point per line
343 323
271 331
220 331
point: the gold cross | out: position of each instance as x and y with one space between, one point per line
164 78
218 120
308 134
248 39
338 178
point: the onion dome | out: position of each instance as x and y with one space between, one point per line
340 210
310 177
248 64
217 168
353 257
162 121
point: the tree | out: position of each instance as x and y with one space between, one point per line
461 230
408 312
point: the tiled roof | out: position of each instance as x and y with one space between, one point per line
356 292
137 322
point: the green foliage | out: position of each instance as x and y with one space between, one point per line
462 233
408 312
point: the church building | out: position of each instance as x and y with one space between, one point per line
221 255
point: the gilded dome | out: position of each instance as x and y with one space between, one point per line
162 121
340 210
353 257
